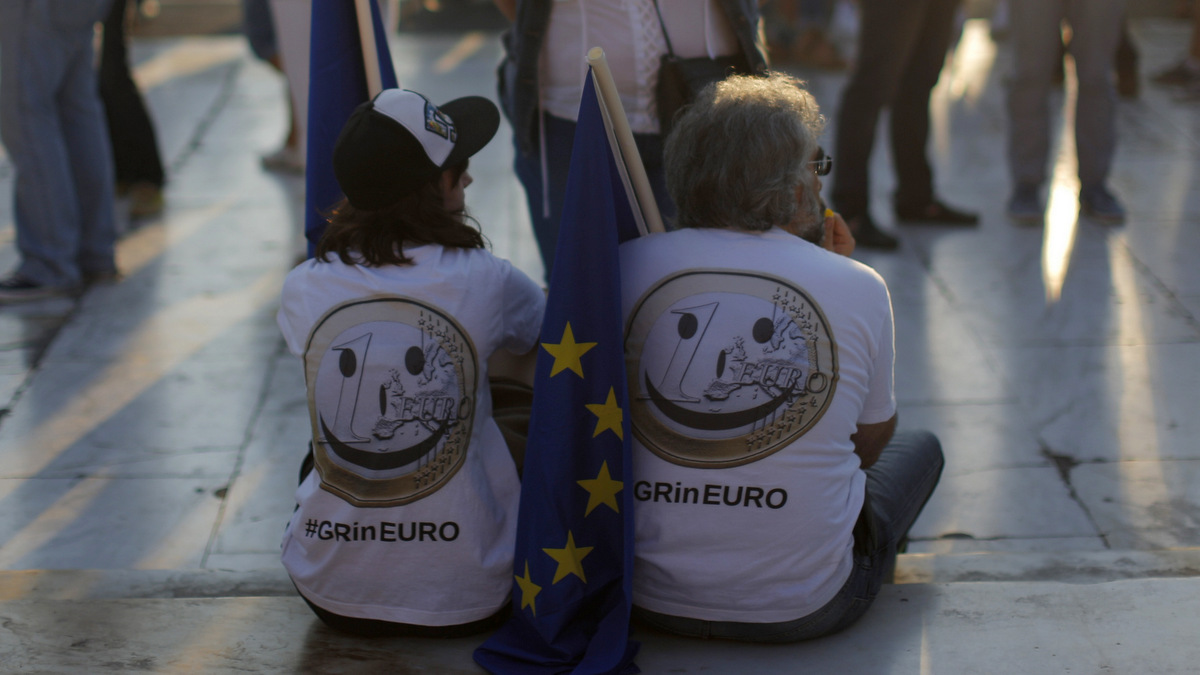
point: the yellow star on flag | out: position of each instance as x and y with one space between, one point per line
529 590
566 353
570 559
602 490
609 414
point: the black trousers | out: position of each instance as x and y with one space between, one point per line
902 48
135 147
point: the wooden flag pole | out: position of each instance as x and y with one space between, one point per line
615 115
366 34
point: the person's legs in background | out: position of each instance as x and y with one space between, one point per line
53 128
915 199
1097 26
887 35
1037 42
1126 64
544 191
139 170
1185 73
258 25
292 21
92 169
545 207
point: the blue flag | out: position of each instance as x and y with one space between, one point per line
337 84
573 568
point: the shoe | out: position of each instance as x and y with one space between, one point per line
934 213
145 200
1097 203
17 288
1179 75
1024 206
284 160
868 235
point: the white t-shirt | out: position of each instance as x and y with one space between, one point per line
633 43
410 515
752 358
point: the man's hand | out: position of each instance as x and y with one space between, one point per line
837 234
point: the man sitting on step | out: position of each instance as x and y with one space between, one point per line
772 494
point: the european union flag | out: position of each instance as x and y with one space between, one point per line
337 84
574 553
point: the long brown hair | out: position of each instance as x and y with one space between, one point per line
377 238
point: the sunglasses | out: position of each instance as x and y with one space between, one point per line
823 165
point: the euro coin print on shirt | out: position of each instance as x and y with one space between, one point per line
393 400
727 367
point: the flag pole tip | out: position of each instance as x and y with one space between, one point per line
595 54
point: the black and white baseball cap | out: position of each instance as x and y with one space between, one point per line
393 144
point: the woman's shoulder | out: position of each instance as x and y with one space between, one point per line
479 261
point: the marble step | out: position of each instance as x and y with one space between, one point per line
914 568
128 584
1076 567
997 628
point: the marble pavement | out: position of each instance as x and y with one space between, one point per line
150 432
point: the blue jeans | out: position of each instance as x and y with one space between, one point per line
52 124
898 485
560 138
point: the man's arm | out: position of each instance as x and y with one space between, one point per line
870 440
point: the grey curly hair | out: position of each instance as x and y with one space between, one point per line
736 155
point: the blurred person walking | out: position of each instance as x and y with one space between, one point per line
52 124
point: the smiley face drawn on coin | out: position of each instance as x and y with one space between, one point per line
391 399
726 367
